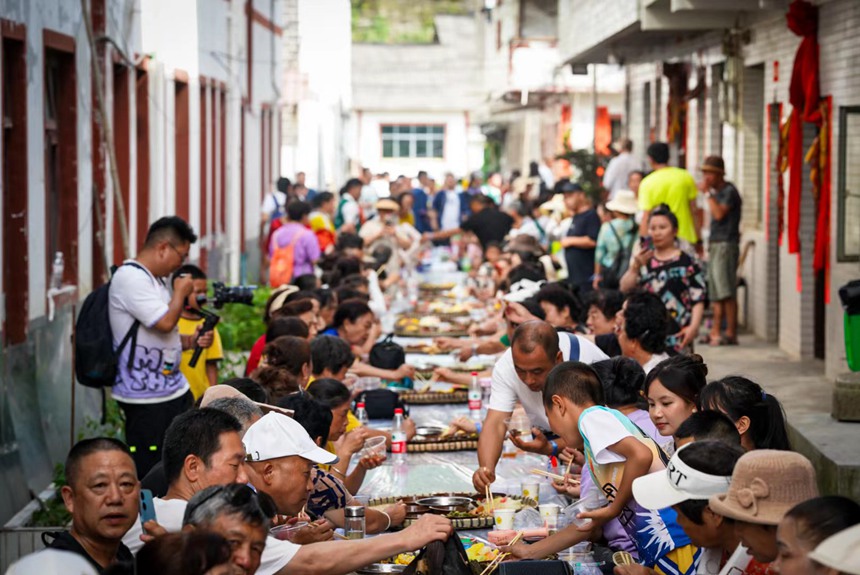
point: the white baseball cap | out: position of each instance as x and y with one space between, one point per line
840 551
275 435
677 483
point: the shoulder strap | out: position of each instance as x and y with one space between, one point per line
574 347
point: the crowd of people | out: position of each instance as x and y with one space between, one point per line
593 311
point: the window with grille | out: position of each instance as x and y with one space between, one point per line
848 198
413 141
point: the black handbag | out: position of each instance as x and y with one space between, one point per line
386 354
381 403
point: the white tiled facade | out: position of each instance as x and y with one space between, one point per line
780 304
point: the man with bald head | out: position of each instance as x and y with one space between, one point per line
519 376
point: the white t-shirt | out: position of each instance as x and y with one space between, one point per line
508 388
450 218
652 363
272 201
603 430
349 211
154 376
169 514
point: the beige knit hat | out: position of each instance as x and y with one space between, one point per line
766 483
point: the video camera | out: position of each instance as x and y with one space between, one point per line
221 295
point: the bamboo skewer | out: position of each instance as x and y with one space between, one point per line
339 536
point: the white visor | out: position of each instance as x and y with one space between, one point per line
678 482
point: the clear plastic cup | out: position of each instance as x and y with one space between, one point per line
367 383
287 532
520 426
590 502
373 447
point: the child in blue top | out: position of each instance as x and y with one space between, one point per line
616 453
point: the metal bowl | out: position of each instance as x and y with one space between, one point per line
415 509
382 568
429 431
446 503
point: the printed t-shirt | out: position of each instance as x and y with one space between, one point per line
680 283
197 378
676 188
508 388
660 541
154 376
329 493
169 514
728 228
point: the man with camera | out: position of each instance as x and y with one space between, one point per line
150 388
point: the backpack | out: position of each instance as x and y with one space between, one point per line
381 403
95 359
283 259
386 354
612 275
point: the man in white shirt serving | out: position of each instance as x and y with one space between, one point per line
203 448
520 375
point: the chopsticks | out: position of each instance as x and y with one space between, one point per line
501 556
344 537
554 476
489 498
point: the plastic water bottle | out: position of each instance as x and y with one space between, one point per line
361 414
475 397
57 269
398 438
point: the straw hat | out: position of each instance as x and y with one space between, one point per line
840 551
624 202
713 164
387 204
766 483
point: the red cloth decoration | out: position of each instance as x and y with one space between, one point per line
802 19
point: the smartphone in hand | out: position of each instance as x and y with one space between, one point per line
147 508
647 243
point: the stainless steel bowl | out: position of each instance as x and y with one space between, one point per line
446 503
382 568
429 431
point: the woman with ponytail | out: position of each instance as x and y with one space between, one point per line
758 415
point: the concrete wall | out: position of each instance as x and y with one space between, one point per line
323 104
38 416
463 148
414 84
